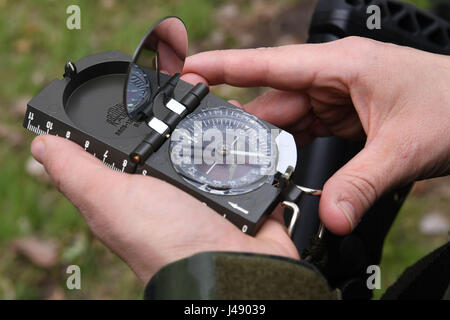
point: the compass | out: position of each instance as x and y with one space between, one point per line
237 157
137 116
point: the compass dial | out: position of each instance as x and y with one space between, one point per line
138 90
223 150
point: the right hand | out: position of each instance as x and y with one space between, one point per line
396 97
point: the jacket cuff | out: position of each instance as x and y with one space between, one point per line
238 276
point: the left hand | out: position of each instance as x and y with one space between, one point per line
148 222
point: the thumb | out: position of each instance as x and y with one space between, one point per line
351 191
81 177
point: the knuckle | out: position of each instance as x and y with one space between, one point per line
359 43
362 56
360 49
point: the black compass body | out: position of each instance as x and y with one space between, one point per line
137 116
88 110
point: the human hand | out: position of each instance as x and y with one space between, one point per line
396 97
148 222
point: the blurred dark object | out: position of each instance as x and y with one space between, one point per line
441 8
427 279
401 23
349 256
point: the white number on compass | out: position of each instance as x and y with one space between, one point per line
49 125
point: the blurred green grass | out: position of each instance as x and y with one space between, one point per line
35 44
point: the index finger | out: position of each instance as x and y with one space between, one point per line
293 67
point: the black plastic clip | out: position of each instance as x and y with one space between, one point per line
161 129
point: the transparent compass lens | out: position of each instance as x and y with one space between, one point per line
223 150
138 90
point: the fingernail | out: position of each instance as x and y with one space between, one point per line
348 211
38 149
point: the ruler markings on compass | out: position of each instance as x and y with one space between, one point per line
85 142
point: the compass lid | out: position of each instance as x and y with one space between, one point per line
155 67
